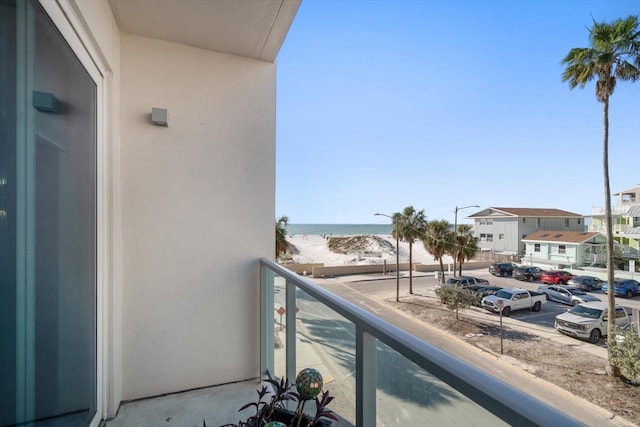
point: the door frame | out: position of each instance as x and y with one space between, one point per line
67 18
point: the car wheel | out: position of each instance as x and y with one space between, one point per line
506 311
531 278
560 282
546 296
574 302
537 306
595 336
589 288
504 274
629 294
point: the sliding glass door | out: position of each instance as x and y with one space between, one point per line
48 290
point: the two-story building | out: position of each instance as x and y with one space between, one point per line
626 224
565 249
501 230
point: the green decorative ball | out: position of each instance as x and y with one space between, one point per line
309 383
275 424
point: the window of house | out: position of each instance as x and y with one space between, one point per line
483 222
500 236
562 249
489 222
536 247
579 220
537 222
524 220
566 222
489 237
483 236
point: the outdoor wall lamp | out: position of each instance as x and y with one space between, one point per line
45 102
160 117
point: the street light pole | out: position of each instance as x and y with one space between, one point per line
395 227
455 235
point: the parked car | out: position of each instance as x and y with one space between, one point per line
626 329
586 283
566 294
527 273
465 281
502 268
512 299
556 277
623 287
482 291
589 320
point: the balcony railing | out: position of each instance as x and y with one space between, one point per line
380 374
615 210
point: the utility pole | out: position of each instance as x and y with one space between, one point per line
395 228
455 235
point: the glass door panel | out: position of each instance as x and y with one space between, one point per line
47 224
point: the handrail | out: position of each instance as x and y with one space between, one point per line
503 400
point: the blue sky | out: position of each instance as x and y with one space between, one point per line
438 104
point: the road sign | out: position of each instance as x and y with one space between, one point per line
280 311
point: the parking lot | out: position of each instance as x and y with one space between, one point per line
543 321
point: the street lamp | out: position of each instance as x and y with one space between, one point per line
395 227
455 235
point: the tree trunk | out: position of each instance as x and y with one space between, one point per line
611 297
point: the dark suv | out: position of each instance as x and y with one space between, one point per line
527 273
502 268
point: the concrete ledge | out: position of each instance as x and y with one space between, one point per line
301 268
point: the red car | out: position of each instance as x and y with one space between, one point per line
556 277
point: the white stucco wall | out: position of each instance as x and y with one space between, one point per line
197 213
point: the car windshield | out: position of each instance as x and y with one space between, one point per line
503 294
588 312
576 292
451 281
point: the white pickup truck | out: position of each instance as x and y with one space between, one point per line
589 320
513 299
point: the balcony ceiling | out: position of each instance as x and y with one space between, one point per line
251 28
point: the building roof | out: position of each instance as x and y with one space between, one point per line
632 190
254 29
524 212
561 236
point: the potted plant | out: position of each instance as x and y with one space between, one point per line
270 410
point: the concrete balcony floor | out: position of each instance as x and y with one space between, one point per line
216 405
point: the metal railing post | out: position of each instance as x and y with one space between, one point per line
290 330
366 378
266 321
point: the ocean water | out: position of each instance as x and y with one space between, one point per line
339 229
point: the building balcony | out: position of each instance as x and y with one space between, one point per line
379 373
619 210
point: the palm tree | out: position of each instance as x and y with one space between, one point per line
613 54
281 236
467 246
410 225
438 240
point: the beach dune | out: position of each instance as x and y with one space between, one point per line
315 249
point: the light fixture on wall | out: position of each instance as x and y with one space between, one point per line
160 117
45 102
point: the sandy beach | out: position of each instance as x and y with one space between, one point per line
314 249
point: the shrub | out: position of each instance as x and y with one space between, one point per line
456 297
625 352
